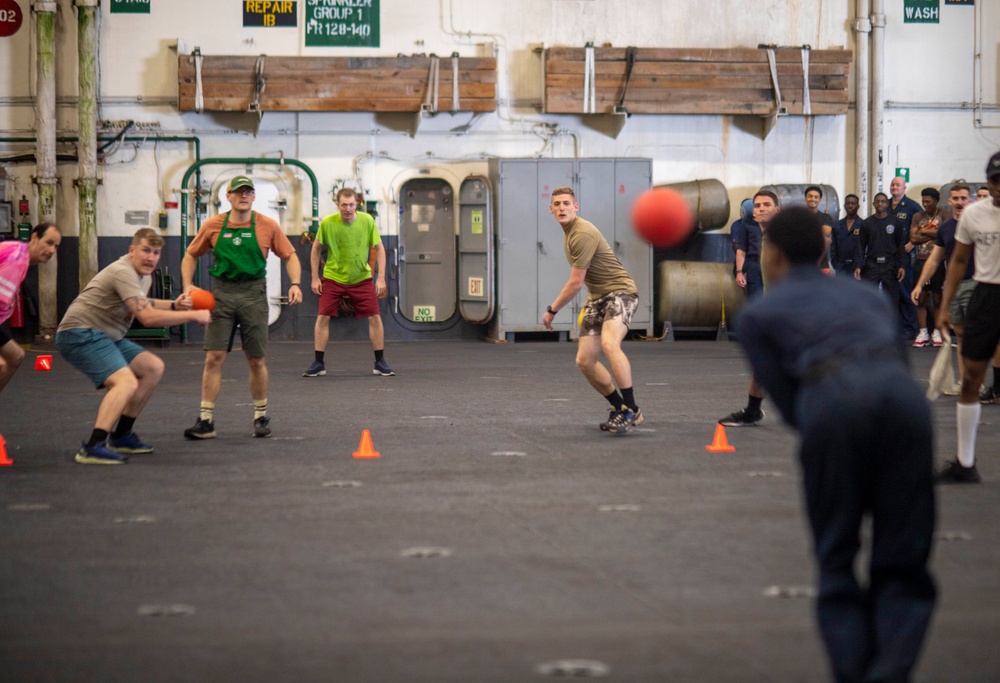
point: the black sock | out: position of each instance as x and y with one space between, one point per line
629 399
753 405
96 437
125 424
996 377
319 355
614 399
378 354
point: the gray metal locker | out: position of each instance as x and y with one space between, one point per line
531 261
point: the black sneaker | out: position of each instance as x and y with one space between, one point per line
262 427
382 368
742 418
955 473
203 429
624 420
317 369
989 396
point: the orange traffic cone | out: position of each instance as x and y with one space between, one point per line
43 363
365 448
4 460
720 444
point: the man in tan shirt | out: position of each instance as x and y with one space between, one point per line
611 302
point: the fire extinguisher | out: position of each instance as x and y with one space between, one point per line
24 227
17 316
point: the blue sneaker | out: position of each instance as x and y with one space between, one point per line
317 369
130 443
382 368
99 454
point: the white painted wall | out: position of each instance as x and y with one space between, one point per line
930 125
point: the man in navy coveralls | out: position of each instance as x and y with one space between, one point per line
866 448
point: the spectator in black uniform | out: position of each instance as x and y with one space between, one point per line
747 244
844 249
904 208
882 250
766 206
823 374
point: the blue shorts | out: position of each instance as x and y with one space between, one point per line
94 354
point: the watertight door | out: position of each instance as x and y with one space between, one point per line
426 252
475 250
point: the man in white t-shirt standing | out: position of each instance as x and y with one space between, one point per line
978 230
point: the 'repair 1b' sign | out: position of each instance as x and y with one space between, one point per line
11 18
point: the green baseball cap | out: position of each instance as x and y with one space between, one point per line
238 182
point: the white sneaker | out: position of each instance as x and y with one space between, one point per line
922 339
955 390
936 338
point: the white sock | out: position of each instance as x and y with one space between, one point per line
923 331
207 411
967 417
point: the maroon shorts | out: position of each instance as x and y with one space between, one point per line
362 297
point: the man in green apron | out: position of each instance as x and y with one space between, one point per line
239 240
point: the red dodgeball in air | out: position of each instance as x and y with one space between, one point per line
662 217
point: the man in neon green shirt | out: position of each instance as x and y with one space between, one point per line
349 237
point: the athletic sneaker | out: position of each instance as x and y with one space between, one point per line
936 339
317 369
989 396
955 473
742 418
129 443
923 339
624 419
203 429
262 427
98 454
954 390
382 368
604 425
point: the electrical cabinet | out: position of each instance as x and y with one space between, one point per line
531 261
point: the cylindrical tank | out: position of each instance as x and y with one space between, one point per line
709 201
796 194
973 186
696 294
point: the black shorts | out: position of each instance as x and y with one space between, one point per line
936 285
982 323
5 335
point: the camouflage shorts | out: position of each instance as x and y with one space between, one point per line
609 307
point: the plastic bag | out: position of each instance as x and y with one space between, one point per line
942 377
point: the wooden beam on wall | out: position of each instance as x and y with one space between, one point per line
338 84
697 81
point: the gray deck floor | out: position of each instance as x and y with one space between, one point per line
285 559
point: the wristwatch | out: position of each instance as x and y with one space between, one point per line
548 309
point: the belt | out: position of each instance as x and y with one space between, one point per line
828 367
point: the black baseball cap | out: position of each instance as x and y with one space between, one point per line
993 166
